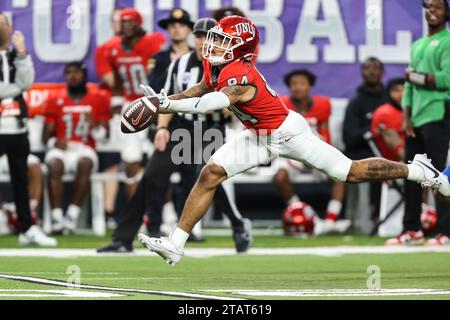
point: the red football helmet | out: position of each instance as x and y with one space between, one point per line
428 218
233 38
298 219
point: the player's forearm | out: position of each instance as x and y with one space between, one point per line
48 132
24 71
164 120
9 90
197 90
209 102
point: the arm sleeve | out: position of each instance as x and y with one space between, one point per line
9 90
209 102
353 132
102 64
49 110
407 96
443 76
104 111
24 72
408 90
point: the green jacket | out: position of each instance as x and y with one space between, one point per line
429 55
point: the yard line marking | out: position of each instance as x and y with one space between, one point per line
335 292
84 286
34 293
214 252
38 272
136 278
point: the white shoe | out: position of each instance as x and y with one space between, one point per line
328 226
57 226
163 247
70 224
432 177
341 226
35 236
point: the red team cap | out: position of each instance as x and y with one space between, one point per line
131 14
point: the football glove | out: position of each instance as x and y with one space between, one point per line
162 96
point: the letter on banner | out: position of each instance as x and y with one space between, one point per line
79 27
332 27
398 53
268 19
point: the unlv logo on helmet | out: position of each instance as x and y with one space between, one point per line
245 27
231 39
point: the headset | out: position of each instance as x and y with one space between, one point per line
447 8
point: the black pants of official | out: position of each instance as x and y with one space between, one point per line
151 192
432 139
17 148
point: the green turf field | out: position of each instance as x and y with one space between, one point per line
266 276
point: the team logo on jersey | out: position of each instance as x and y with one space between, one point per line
435 43
245 27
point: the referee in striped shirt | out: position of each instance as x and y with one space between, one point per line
150 195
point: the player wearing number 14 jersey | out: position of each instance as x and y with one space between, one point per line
232 81
75 117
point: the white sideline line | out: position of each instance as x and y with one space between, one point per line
33 293
214 252
84 286
335 292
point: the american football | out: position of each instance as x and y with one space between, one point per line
139 115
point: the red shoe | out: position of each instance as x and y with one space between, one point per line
439 240
407 238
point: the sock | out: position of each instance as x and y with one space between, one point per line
293 199
333 209
33 204
57 214
179 238
415 173
73 212
197 230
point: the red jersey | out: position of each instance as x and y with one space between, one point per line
318 114
391 118
266 111
131 65
102 63
74 120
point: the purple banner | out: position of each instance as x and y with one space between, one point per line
329 37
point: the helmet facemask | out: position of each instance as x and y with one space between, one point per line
217 40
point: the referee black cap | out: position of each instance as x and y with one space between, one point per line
202 25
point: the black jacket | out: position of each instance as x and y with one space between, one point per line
358 117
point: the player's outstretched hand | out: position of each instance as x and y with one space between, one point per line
162 96
148 91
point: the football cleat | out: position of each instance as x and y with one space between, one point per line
70 224
57 226
432 177
408 238
243 238
163 247
35 236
